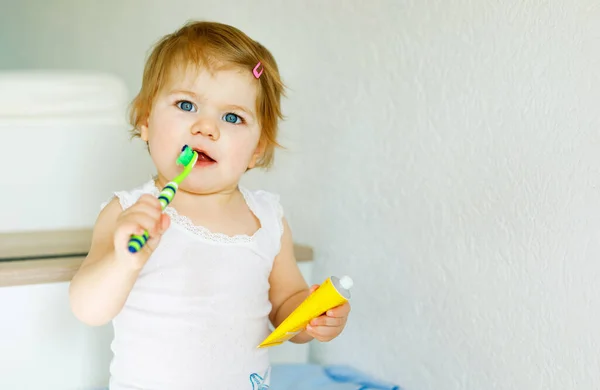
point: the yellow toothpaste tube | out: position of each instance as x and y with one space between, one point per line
333 292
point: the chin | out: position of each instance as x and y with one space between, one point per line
200 186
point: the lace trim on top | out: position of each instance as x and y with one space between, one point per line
204 232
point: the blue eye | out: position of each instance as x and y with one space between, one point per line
186 106
233 118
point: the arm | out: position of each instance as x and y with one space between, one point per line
288 290
288 287
100 287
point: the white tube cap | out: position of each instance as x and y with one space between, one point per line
346 282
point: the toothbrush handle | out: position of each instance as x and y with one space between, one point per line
137 242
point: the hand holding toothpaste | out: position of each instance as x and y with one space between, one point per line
322 315
330 324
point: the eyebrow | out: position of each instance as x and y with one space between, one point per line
230 106
182 92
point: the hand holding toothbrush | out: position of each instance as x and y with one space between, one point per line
187 158
145 215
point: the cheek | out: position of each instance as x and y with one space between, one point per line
163 142
241 150
167 117
159 144
164 130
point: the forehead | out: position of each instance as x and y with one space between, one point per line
223 84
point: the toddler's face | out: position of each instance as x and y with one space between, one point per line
212 113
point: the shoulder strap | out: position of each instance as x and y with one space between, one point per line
268 207
128 198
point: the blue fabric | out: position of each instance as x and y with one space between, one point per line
313 376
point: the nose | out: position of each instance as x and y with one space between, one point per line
206 127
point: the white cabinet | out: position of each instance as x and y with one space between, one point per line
64 147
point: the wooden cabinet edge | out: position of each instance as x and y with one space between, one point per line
26 272
56 243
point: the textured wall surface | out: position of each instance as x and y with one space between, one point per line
460 146
444 154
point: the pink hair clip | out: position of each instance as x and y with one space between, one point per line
255 70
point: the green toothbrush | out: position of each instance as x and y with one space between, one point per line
187 158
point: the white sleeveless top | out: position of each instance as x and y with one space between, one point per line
200 305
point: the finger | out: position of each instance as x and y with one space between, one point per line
322 333
149 200
313 288
124 232
339 311
144 208
165 222
162 226
312 332
128 227
328 321
145 221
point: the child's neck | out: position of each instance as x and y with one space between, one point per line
188 202
224 212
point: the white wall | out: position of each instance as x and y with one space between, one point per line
444 154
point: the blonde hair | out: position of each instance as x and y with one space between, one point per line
214 45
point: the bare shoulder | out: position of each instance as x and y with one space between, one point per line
103 232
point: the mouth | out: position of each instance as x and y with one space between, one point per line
204 158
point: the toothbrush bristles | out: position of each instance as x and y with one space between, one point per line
186 155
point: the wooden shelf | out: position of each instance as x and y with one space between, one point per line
55 256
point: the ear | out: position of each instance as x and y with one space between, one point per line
144 131
260 149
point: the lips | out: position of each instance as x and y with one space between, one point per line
204 157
